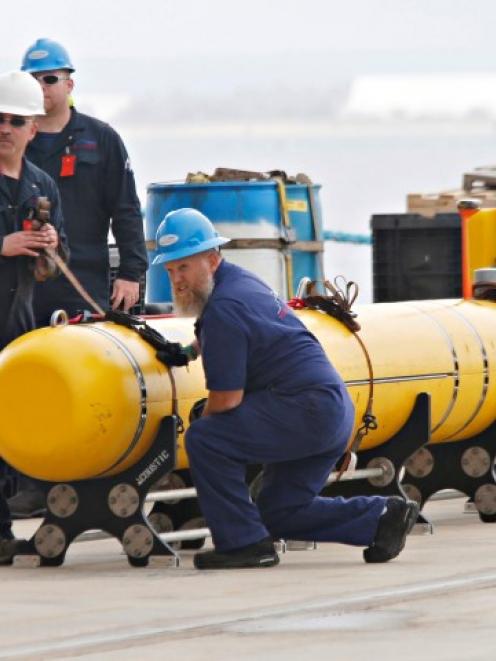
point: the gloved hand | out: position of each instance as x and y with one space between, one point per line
191 352
44 266
197 410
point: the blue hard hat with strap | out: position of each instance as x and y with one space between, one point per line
183 233
46 55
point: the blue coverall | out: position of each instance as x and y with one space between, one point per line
16 273
295 418
97 190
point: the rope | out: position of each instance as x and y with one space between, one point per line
347 237
74 280
338 305
40 215
175 404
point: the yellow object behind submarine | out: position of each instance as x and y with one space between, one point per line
481 238
84 401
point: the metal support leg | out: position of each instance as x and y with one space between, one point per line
112 504
181 514
390 456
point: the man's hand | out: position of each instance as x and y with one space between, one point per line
125 292
192 350
28 243
197 410
50 234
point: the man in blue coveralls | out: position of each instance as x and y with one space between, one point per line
274 399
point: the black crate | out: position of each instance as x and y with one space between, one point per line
139 308
416 258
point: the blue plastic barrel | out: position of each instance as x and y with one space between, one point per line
244 210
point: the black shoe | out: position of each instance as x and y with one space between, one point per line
27 504
260 554
9 548
394 525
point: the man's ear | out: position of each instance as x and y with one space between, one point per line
214 258
33 129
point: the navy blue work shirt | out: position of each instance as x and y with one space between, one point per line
16 273
250 340
97 191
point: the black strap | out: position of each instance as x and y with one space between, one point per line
338 304
171 354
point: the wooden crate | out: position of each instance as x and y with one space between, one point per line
429 204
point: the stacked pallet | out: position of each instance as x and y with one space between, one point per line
429 204
479 184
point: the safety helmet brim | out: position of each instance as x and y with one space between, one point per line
189 250
21 110
41 68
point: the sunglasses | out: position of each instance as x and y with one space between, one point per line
50 78
14 121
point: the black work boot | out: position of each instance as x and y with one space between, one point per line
260 554
9 548
27 503
394 525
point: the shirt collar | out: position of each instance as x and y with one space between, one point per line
220 272
219 275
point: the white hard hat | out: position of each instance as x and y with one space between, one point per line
20 94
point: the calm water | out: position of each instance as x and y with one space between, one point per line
363 169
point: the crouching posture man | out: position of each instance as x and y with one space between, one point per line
22 260
274 399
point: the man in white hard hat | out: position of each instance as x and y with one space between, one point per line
22 185
90 164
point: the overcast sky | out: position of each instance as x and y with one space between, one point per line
213 55
169 28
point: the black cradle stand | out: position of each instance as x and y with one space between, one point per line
111 504
389 456
467 466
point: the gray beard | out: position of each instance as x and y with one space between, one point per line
195 306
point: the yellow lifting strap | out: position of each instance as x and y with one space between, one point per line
315 245
288 258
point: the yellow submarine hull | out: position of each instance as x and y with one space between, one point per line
86 400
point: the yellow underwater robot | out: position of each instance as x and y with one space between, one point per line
86 401
80 401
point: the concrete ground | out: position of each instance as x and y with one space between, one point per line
436 601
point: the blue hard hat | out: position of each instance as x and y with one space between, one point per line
46 55
185 232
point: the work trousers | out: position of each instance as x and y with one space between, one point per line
298 438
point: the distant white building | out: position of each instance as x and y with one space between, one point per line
422 96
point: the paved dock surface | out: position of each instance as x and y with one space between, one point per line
437 600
